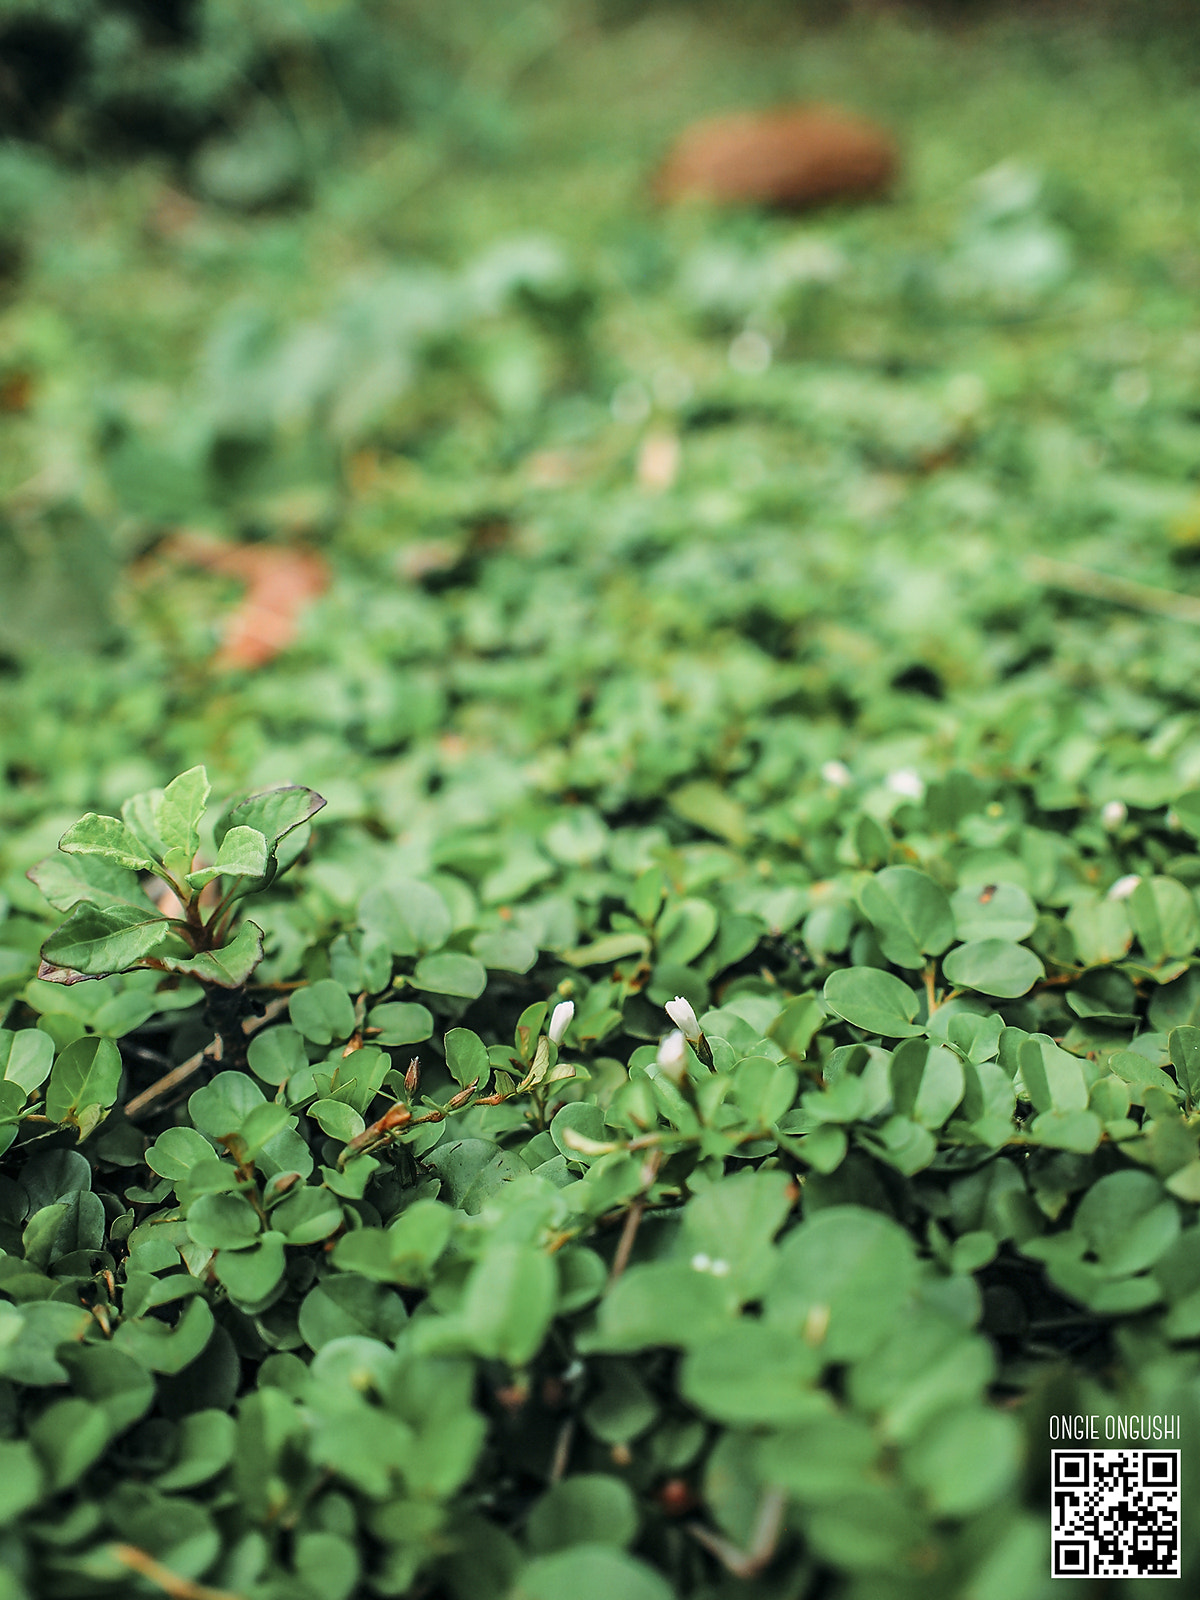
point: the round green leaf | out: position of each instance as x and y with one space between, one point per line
910 914
589 1572
993 966
220 1107
223 1222
251 1275
966 1460
401 1022
874 1000
587 1508
337 1119
466 1056
846 1271
176 1151
322 1011
276 1053
993 911
450 973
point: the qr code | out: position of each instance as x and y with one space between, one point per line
1115 1513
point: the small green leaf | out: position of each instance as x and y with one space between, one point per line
322 1011
112 1380
178 811
685 929
163 1348
109 838
205 1446
272 812
505 950
466 1056
1053 1079
659 1303
1100 928
1183 1044
337 1119
993 911
401 1022
993 966
927 1082
450 973
262 1125
243 854
307 1215
1080 1131
590 1572
967 1459
220 1107
586 1508
20 1479
223 1222
751 1374
228 967
87 1073
66 880
251 1275
712 808
1141 1075
103 939
276 1053
910 914
873 1000
69 1436
176 1151
508 1302
604 951
26 1057
1164 918
842 1280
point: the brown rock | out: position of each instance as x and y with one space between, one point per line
794 157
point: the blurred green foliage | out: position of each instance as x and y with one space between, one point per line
796 616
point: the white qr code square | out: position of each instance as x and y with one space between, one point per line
1115 1513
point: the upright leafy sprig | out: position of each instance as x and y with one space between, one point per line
113 924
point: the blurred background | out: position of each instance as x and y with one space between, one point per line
368 418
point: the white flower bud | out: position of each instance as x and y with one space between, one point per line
906 782
838 774
560 1021
1124 887
681 1014
1113 814
672 1056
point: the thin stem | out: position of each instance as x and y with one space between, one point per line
931 993
562 1450
143 1104
129 1555
633 1217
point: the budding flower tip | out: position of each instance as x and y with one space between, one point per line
560 1020
672 1055
684 1017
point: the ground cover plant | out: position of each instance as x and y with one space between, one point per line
650 1048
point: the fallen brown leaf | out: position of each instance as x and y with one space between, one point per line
794 157
281 582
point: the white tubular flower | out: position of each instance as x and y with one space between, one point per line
906 782
560 1020
681 1014
1113 814
838 774
672 1056
1124 887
